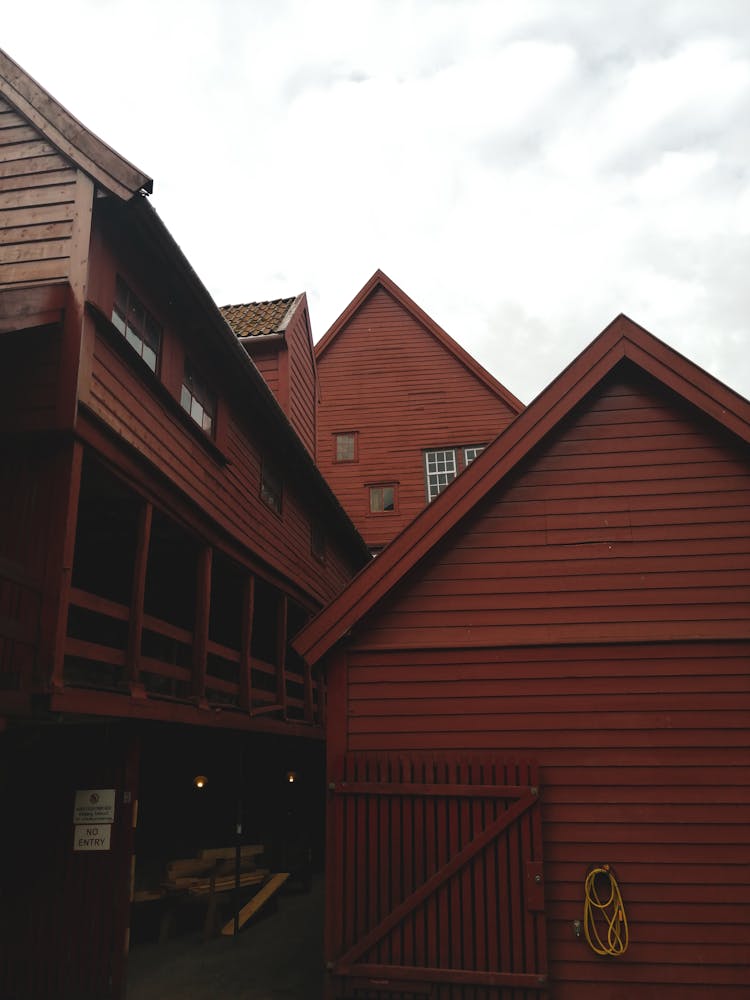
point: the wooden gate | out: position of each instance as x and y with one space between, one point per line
434 879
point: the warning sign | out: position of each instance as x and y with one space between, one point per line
94 805
92 838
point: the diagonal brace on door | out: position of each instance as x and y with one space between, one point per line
436 880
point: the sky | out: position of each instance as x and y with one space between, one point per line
525 171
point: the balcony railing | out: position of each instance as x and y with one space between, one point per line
164 665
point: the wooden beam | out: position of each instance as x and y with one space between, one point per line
281 641
59 566
259 899
246 670
135 631
200 635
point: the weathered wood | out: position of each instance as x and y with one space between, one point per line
200 634
135 629
259 900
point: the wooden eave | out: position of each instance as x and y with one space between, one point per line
239 365
381 280
622 339
89 153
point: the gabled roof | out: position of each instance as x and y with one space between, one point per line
622 339
381 280
261 319
86 151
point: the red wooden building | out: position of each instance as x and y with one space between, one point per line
403 409
164 531
278 338
548 672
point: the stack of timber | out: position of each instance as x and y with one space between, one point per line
214 870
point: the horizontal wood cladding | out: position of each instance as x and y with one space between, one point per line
268 365
37 204
644 754
386 377
228 493
633 522
302 379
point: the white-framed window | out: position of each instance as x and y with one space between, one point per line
136 324
383 499
440 469
198 400
346 446
471 452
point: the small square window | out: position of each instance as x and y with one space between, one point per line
471 452
382 499
197 400
346 447
440 469
270 489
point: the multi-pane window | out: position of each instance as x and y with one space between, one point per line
382 499
471 453
198 400
440 469
270 488
346 447
136 324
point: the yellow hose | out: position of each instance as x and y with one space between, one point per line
608 913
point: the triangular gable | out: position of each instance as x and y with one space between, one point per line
71 138
622 339
381 280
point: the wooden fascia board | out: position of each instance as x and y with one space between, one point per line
694 384
485 472
110 170
381 280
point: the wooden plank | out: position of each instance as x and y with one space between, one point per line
99 605
393 789
246 641
259 900
27 197
41 250
138 590
44 270
34 165
246 851
281 644
39 232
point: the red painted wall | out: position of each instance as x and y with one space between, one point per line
388 378
592 614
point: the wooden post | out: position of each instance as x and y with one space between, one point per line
309 713
135 631
281 625
59 565
246 674
200 634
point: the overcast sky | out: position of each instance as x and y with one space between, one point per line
524 170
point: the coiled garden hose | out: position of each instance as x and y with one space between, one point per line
604 910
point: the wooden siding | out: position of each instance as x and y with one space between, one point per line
267 364
386 377
302 379
645 762
37 204
229 493
29 369
633 522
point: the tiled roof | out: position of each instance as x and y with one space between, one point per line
258 319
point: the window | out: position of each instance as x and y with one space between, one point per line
471 452
136 324
198 400
382 499
346 447
440 469
270 488
317 541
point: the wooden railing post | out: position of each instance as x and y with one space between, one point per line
135 630
246 674
200 632
59 567
281 626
